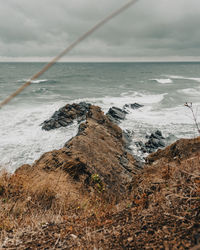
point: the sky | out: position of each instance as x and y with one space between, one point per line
149 30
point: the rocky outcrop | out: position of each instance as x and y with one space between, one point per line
66 115
176 152
161 212
154 142
116 114
96 152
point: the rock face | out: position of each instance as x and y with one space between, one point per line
116 114
66 115
178 151
97 150
70 112
155 141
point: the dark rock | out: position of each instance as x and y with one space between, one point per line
63 123
133 106
57 125
154 142
116 114
159 133
66 115
161 143
143 149
139 144
180 150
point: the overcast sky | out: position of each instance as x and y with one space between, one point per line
150 29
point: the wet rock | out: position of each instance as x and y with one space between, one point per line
180 150
139 144
116 114
133 106
157 135
155 141
66 115
161 143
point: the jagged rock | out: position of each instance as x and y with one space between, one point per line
155 141
133 106
181 149
97 149
66 115
157 135
116 114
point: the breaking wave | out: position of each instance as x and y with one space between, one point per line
162 81
196 79
37 81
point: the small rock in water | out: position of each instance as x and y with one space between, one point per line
133 106
155 141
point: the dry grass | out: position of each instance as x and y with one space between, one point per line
51 209
43 197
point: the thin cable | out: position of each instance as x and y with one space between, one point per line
67 50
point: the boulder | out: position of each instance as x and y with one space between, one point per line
116 114
155 141
66 115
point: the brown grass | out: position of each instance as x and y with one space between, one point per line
33 200
51 209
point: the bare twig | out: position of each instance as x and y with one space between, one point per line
189 105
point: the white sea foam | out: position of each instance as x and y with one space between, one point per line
196 79
162 81
34 81
174 123
190 91
177 120
23 140
125 98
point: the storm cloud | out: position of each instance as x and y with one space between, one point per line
148 29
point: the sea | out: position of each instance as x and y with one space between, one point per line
163 89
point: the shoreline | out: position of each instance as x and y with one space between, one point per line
93 192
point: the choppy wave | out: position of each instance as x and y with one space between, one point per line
196 79
190 91
23 140
37 81
162 81
125 98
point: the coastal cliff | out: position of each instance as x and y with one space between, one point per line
93 193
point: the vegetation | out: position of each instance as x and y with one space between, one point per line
189 105
50 209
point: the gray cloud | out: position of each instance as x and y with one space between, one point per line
151 28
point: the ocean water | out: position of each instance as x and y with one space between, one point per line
162 88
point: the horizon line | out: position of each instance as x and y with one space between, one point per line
101 59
